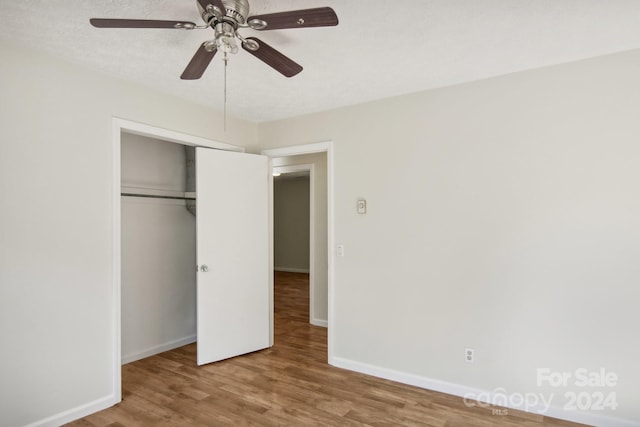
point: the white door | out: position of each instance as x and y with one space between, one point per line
233 301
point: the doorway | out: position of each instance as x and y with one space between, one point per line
317 160
315 166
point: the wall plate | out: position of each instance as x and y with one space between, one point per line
362 206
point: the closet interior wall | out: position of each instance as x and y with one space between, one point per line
158 247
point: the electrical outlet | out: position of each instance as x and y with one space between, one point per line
469 355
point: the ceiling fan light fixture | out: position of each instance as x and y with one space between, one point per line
226 38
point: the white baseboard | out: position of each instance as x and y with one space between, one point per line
132 357
320 322
76 413
589 418
291 270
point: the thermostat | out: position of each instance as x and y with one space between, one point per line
362 206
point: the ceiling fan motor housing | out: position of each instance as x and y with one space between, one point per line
237 9
237 12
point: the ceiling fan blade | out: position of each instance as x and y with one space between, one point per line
217 3
271 57
139 23
199 63
317 17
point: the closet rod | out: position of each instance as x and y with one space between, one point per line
156 197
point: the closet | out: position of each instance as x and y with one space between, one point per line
184 270
158 244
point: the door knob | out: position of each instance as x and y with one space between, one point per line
204 268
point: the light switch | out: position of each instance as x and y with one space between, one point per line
340 250
362 206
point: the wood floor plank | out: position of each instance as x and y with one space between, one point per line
290 384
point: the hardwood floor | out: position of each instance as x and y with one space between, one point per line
290 384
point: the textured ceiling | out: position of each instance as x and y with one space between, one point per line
380 48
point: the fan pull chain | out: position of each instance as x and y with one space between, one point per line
226 62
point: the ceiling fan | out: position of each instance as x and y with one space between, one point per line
226 17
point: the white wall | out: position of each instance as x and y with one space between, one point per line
56 226
158 251
291 223
503 215
152 163
520 236
319 310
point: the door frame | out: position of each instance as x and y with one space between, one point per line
295 150
312 233
119 126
